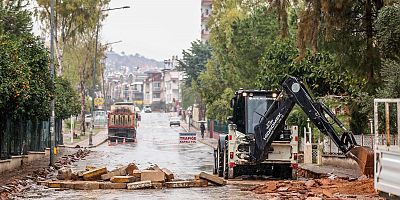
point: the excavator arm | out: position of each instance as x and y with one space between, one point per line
294 92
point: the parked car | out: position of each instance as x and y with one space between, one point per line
174 121
147 109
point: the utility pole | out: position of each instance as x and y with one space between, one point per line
52 115
94 83
94 69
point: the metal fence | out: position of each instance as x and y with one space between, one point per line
364 140
219 127
17 137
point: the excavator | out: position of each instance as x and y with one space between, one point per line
263 142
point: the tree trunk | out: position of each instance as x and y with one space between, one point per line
83 107
369 59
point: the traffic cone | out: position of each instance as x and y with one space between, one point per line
124 142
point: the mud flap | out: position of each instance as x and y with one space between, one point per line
364 156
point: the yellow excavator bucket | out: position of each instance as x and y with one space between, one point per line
364 156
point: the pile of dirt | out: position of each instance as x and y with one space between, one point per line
320 188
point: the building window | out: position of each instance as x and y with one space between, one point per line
156 85
156 95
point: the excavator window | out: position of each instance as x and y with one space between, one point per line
256 107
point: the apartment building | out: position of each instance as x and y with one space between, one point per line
206 7
152 88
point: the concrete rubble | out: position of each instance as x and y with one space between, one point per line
41 175
321 188
126 177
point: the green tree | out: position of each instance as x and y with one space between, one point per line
67 99
388 32
73 19
194 60
25 88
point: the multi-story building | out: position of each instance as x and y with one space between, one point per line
206 6
153 91
137 92
171 86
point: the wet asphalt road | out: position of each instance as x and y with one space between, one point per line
158 143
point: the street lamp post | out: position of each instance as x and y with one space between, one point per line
52 73
94 69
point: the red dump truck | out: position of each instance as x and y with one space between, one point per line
123 122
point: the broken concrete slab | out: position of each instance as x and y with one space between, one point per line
108 185
116 172
137 174
64 174
68 185
86 185
139 185
43 183
213 179
123 179
89 168
201 183
169 176
157 185
153 176
130 168
180 184
54 184
94 174
309 183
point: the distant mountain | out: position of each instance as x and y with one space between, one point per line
121 62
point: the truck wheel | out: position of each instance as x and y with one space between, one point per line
215 168
226 167
220 161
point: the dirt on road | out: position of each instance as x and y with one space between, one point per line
323 188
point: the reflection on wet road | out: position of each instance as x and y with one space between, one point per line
158 143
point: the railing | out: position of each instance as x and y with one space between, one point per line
20 136
219 127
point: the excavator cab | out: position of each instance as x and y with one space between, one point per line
249 107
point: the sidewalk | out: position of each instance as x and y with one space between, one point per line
97 140
211 142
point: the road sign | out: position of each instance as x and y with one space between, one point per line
98 101
187 138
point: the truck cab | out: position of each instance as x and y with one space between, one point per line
233 156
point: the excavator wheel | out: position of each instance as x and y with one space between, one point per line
364 156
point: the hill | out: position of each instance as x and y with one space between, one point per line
119 62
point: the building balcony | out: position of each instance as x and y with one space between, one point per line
156 89
204 17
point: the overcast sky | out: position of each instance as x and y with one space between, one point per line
156 29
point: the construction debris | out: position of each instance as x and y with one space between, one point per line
139 185
317 189
153 176
117 172
126 177
214 179
94 174
41 175
123 179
